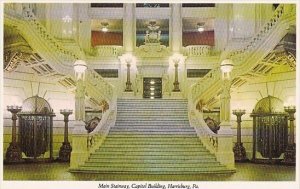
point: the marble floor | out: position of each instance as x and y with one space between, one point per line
59 172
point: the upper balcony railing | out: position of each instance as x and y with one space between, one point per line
198 50
107 50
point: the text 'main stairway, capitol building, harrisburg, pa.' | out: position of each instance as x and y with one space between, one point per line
149 91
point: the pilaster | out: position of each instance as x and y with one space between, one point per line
176 28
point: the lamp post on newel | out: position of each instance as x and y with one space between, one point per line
176 60
14 152
226 68
65 149
80 68
238 149
176 83
128 60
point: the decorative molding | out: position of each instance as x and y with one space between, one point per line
197 50
152 50
107 51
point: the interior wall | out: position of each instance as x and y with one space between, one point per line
197 38
281 85
23 84
108 38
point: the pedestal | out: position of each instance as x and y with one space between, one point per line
238 149
239 152
224 153
13 153
65 152
128 95
290 155
80 151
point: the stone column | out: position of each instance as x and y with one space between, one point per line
84 33
176 28
79 101
129 27
243 20
222 26
225 101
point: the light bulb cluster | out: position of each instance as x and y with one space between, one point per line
152 88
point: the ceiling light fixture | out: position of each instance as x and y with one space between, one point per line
200 26
104 26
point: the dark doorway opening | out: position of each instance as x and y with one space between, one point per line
152 87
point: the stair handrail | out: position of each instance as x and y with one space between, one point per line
96 138
207 136
239 56
64 58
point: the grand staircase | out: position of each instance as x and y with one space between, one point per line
152 137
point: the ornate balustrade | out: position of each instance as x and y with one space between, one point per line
108 51
198 50
205 83
248 57
96 138
208 138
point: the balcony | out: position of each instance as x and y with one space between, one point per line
107 51
198 51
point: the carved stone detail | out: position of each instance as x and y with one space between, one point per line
153 50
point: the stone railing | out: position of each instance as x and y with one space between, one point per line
197 50
107 50
207 137
60 58
84 144
219 145
96 84
206 82
96 138
239 55
248 57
